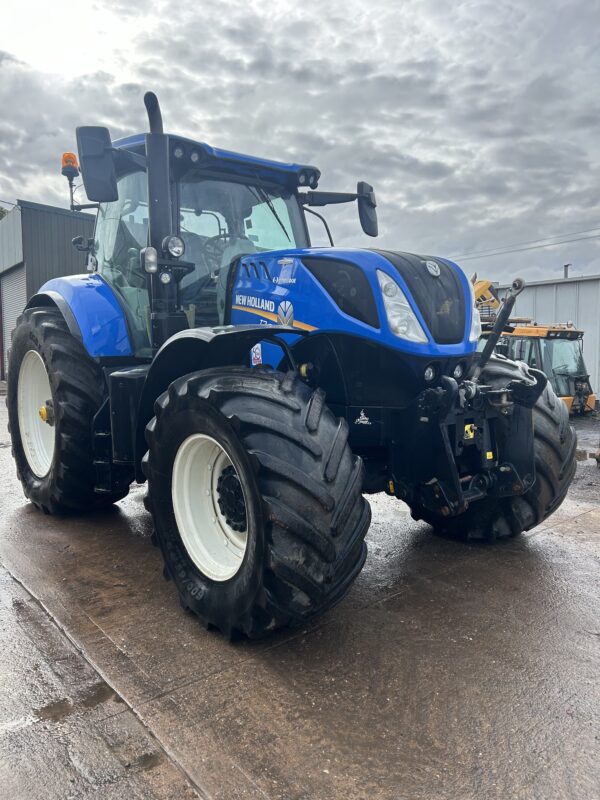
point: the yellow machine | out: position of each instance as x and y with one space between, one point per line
556 350
486 297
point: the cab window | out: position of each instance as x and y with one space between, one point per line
121 232
525 350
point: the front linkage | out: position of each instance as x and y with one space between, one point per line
447 447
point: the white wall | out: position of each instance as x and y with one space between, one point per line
574 300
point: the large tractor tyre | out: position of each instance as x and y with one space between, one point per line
555 443
54 391
256 499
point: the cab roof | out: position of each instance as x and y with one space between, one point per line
227 161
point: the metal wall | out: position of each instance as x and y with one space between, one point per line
47 249
574 300
11 241
12 301
35 245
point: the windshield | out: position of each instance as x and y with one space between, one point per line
562 358
220 221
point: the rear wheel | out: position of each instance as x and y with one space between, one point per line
54 391
555 444
256 498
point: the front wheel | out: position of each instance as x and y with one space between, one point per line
555 444
256 498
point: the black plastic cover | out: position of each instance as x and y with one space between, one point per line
125 389
348 287
440 297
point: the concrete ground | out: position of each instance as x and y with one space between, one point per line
450 671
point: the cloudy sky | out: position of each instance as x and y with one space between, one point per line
477 122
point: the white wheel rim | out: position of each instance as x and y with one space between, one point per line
215 547
33 394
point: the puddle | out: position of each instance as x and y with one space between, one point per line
99 693
57 711
145 762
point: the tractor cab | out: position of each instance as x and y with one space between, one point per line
175 214
556 350
215 221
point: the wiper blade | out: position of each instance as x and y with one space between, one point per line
261 195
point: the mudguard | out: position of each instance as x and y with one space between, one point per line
189 351
92 312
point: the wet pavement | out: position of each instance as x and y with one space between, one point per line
588 435
450 671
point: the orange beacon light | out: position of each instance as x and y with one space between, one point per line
70 166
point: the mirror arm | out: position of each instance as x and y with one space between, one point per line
331 198
324 221
82 206
326 198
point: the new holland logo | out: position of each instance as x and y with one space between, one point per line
285 312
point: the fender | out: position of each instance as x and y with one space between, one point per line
92 312
189 351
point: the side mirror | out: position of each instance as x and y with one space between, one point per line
367 206
97 163
81 244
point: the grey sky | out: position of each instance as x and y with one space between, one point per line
477 122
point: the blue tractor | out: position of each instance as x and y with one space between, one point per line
262 386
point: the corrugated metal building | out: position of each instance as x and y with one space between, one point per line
35 245
574 300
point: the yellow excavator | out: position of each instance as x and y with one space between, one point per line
556 349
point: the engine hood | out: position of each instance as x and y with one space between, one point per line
338 289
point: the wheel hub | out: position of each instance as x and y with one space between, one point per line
46 413
231 499
209 506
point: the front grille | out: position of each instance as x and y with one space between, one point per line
441 299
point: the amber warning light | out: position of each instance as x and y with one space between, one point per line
70 167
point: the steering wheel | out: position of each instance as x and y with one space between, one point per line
213 249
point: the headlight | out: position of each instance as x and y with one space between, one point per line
174 246
401 318
475 332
